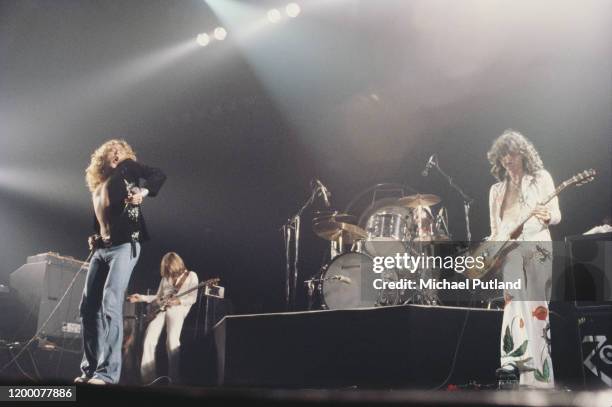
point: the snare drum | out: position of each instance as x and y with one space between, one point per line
348 282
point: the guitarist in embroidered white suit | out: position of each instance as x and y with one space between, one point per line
176 279
523 184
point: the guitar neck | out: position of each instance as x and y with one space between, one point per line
546 200
197 287
530 215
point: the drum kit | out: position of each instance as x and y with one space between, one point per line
389 226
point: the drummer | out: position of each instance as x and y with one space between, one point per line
423 221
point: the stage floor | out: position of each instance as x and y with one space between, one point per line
204 396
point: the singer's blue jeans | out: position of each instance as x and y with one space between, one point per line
102 310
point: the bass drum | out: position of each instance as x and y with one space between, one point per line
348 282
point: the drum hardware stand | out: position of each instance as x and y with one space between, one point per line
467 200
314 284
291 233
336 248
310 287
422 297
442 219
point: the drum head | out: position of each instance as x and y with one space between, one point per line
348 283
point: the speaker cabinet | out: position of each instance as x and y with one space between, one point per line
40 284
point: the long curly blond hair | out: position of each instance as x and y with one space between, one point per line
99 168
509 142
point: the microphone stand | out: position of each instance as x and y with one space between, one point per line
467 200
292 227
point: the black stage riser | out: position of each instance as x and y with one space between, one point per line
404 346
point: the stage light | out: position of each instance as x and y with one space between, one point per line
203 39
274 15
293 9
220 33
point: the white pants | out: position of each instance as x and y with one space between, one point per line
525 336
173 318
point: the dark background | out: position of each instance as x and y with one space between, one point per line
352 92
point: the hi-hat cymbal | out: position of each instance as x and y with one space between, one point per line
414 201
331 230
334 216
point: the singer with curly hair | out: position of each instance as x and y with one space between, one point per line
118 184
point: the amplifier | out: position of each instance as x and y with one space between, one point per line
40 283
581 322
595 335
589 263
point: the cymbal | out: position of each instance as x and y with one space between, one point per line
414 201
330 230
335 216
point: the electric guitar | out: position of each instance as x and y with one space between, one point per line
161 305
494 250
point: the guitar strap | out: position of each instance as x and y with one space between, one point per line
181 281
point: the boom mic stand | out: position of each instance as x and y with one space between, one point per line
291 234
467 200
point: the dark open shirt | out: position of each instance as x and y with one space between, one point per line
127 224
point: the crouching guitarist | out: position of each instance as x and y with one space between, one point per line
168 310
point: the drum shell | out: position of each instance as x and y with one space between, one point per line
387 232
355 289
